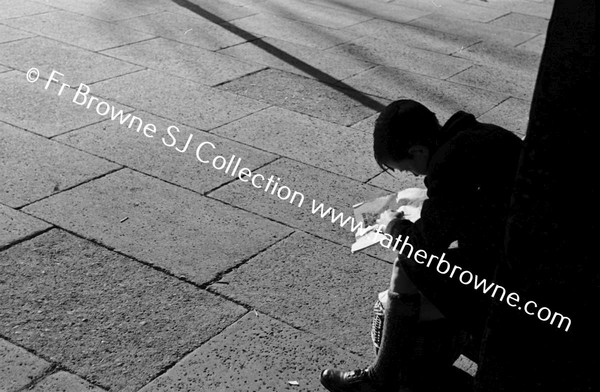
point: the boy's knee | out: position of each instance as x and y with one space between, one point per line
400 282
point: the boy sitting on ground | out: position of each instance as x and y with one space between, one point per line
469 169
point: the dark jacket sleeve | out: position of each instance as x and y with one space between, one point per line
450 188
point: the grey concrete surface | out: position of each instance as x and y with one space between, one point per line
458 9
471 29
77 65
442 97
520 22
197 64
161 224
340 194
8 34
162 156
302 60
42 167
309 13
10 9
269 354
291 91
511 114
64 382
106 10
374 9
184 28
306 281
228 10
107 317
413 36
297 32
18 367
15 226
395 54
179 100
514 82
129 265
44 111
82 31
306 139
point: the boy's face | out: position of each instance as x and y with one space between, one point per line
417 162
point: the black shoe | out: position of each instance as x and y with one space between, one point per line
354 381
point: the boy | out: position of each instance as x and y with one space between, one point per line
469 169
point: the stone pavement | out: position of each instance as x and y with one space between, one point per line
127 264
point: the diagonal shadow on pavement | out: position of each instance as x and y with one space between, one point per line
294 61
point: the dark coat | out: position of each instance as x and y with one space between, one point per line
471 174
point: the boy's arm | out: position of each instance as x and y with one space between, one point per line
451 187
433 232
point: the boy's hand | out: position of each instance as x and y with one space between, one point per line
386 217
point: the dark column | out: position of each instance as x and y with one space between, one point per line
552 227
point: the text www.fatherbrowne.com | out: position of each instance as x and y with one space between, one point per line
443 267
271 186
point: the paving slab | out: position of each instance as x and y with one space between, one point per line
394 54
185 29
442 97
307 139
64 382
299 59
413 36
517 83
472 30
534 8
12 9
242 3
324 187
500 55
158 157
512 114
514 21
313 285
167 226
302 11
15 225
217 12
292 31
83 31
8 34
456 8
183 60
177 99
375 9
76 64
42 111
106 9
258 354
40 167
535 45
18 367
366 125
111 320
308 96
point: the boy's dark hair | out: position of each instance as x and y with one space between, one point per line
400 125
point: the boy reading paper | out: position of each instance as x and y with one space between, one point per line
469 168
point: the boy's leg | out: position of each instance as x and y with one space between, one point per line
399 326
